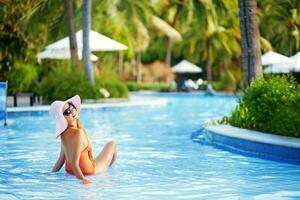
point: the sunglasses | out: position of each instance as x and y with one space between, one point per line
68 111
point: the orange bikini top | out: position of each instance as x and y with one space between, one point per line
86 160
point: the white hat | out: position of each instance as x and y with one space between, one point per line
56 111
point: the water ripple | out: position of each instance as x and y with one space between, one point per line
156 158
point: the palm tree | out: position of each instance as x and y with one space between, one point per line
137 16
43 21
72 36
207 37
86 52
141 42
175 13
127 21
174 7
168 30
24 26
280 24
250 40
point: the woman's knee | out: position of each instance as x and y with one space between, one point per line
112 144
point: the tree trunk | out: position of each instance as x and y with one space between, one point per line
170 40
86 52
250 40
169 52
208 63
138 67
120 59
290 46
72 34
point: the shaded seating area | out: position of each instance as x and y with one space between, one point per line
30 95
185 73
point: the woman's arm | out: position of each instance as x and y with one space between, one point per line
88 140
75 156
60 162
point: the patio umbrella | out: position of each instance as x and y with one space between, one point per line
292 66
61 54
282 68
98 42
272 57
296 63
186 67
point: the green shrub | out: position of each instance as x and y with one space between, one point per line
21 78
115 88
223 85
134 86
63 83
270 105
217 85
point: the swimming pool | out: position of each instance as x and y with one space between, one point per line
157 159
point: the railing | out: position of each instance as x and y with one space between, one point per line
3 102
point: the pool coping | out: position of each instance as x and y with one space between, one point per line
255 136
132 101
253 143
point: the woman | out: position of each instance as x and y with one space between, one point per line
76 151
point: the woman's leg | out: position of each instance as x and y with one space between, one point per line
106 157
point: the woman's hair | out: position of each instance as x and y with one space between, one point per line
79 124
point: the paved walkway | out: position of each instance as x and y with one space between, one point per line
132 101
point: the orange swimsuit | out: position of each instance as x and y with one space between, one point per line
86 161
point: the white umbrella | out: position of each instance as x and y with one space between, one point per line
272 57
279 68
292 65
296 64
98 42
61 54
186 67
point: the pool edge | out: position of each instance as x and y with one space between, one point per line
131 102
261 144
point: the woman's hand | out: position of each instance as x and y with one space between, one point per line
85 181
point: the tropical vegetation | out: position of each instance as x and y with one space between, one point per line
134 86
63 82
270 104
210 37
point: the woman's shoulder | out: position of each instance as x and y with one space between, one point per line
72 132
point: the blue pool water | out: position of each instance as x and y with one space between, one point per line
157 159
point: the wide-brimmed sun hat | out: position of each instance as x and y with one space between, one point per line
56 112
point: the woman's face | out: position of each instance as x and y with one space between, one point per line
69 112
